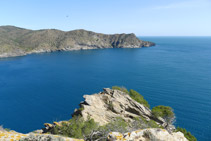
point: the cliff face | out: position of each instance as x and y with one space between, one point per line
16 41
105 106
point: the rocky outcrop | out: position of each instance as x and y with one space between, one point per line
105 106
153 134
16 41
15 136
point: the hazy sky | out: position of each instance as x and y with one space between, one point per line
142 17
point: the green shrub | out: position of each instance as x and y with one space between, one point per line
188 135
153 124
76 128
33 137
81 129
81 109
123 89
134 95
116 125
165 112
162 111
138 97
142 123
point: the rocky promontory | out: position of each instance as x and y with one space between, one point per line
111 115
109 104
118 115
15 41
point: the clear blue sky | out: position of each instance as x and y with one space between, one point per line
142 17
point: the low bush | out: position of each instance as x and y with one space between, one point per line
188 135
32 137
76 128
138 97
134 95
142 123
123 89
165 112
89 130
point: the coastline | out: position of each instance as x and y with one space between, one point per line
10 55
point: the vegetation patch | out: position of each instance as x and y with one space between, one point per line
76 128
138 97
133 94
81 109
165 112
123 89
91 130
187 134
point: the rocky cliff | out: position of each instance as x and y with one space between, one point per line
111 115
105 106
109 105
16 41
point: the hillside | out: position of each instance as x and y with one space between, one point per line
15 41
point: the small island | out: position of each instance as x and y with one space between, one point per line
115 114
15 41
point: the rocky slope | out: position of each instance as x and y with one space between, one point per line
11 135
139 135
152 134
16 41
110 104
104 108
15 136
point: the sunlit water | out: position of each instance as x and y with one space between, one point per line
47 87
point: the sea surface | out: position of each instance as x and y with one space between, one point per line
47 87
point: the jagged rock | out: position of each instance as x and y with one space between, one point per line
49 126
110 104
152 134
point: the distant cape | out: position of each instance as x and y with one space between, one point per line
15 41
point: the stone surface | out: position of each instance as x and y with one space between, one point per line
109 104
15 136
152 134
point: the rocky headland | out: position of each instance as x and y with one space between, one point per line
111 115
15 41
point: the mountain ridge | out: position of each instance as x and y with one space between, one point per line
16 41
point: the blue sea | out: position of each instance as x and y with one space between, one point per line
47 87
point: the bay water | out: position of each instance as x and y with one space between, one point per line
47 87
